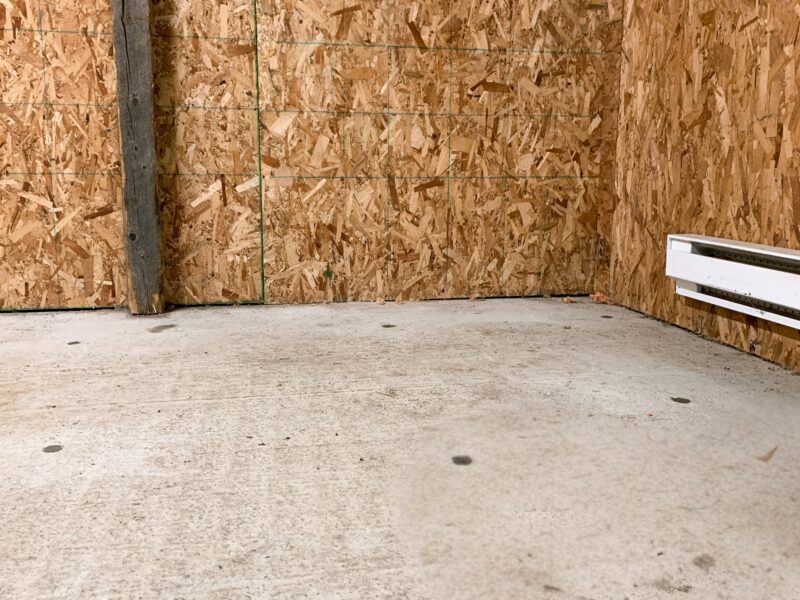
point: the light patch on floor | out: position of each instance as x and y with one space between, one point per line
501 449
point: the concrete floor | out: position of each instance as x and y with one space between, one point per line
307 452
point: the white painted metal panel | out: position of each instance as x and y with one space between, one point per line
739 246
770 288
745 280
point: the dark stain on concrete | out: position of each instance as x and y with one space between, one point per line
462 460
704 561
680 400
160 328
665 585
607 317
388 326
72 343
552 588
53 448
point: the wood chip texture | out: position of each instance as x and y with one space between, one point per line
61 241
708 125
408 150
436 149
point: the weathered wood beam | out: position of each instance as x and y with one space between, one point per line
133 56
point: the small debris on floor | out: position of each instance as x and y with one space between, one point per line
462 460
680 400
569 300
607 317
53 448
72 343
600 298
765 458
388 326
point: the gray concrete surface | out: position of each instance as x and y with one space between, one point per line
306 452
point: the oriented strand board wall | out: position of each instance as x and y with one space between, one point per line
411 150
436 149
406 150
207 137
709 143
60 222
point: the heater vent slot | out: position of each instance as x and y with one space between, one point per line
762 305
774 263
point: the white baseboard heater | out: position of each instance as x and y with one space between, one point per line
762 281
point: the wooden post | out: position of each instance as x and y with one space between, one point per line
133 57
